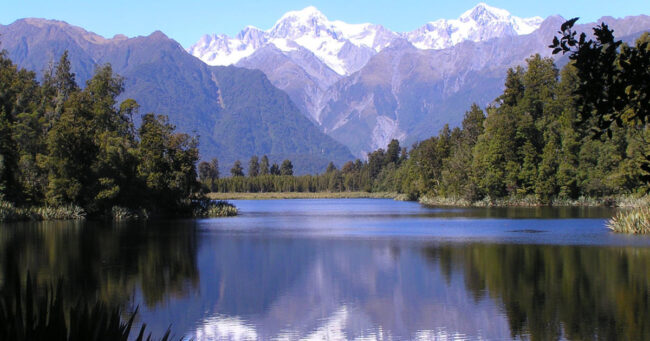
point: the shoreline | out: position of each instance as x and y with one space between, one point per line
299 195
610 201
620 201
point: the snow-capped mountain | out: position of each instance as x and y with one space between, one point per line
364 85
335 43
480 23
345 48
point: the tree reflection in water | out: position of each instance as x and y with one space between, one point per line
103 262
550 292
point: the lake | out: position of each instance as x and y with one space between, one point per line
353 269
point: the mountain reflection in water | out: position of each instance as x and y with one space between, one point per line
353 269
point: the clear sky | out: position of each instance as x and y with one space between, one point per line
187 20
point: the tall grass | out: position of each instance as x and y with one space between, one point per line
26 315
9 212
121 214
634 221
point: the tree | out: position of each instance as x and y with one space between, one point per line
237 169
204 171
392 152
166 164
286 168
214 168
613 86
264 165
253 166
275 169
64 83
330 167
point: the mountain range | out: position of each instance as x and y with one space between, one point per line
236 112
365 85
308 89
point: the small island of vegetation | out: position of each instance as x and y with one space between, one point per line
70 153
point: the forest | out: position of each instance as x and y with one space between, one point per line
68 152
546 139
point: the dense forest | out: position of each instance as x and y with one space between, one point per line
64 146
534 142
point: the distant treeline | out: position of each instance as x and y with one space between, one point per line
530 142
62 145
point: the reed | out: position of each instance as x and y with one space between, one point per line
633 221
26 314
9 212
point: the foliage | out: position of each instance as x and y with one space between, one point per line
210 209
612 87
9 212
636 221
66 147
526 149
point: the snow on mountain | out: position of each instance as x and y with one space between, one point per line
345 48
480 23
308 28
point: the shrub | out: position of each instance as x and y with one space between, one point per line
636 221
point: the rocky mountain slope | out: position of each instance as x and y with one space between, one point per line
365 85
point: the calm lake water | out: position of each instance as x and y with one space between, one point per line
353 269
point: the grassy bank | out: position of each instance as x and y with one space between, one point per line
300 195
531 201
200 209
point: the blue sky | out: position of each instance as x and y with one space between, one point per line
186 21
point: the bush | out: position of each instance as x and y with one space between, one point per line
214 209
635 221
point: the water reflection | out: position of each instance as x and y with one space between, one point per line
103 261
553 292
278 272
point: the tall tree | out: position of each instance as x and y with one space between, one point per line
613 86
214 168
237 169
253 166
275 169
286 168
392 152
264 165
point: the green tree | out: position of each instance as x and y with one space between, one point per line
205 170
612 87
330 167
392 152
264 166
286 168
275 169
237 169
253 166
214 168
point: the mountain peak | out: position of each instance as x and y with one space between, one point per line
485 12
309 16
305 13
